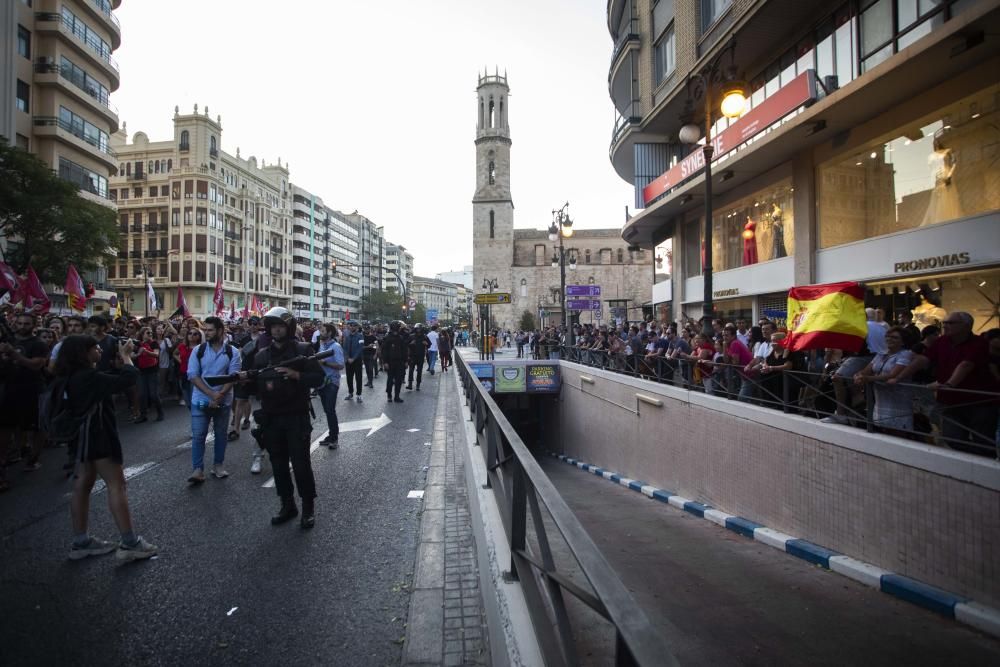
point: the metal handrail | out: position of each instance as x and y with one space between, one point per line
679 372
519 483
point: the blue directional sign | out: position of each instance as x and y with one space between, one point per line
583 304
583 290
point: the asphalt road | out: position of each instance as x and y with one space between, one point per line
227 587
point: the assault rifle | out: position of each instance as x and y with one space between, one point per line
295 363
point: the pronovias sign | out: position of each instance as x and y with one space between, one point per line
935 262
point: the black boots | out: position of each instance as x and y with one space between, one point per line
288 511
307 521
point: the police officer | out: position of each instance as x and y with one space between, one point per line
392 353
284 421
417 345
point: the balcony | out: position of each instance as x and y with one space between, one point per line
96 147
136 228
233 236
93 49
232 259
275 269
154 254
48 73
101 9
628 38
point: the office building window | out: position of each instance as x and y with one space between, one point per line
664 56
23 96
712 10
83 178
24 42
936 169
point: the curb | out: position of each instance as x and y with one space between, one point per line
929 597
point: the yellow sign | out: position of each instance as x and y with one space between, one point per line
492 299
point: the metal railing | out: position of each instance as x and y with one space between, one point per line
520 487
812 394
100 143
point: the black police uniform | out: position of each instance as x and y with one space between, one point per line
285 426
393 353
417 346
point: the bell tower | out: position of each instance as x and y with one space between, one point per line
492 205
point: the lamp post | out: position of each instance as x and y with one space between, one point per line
145 287
713 83
562 227
484 323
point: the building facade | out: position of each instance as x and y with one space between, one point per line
868 151
520 261
326 281
190 213
463 277
57 75
398 273
371 253
439 298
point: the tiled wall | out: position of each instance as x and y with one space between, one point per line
775 470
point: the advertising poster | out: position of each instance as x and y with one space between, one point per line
509 379
543 379
485 374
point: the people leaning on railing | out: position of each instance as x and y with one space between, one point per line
893 401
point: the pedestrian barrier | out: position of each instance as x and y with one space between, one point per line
520 487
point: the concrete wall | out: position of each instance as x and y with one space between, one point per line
917 510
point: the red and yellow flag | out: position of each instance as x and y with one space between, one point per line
830 315
75 294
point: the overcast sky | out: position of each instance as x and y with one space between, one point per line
373 103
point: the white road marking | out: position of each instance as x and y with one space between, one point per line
415 494
231 611
373 425
210 439
130 472
412 430
269 484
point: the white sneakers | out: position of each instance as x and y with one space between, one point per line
255 466
835 419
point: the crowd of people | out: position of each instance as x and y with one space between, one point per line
82 375
939 384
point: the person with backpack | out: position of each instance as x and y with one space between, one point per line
82 413
215 356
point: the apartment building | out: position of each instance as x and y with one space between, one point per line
439 298
326 279
398 273
57 66
867 152
191 213
371 252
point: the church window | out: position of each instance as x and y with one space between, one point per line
524 287
492 113
491 224
185 141
586 256
540 259
481 112
620 256
605 255
500 117
493 173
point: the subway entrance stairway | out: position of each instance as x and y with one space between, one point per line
704 594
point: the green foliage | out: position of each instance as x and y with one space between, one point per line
419 314
382 306
51 225
527 322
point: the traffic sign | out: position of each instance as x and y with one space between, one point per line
412 304
583 290
598 315
493 298
583 304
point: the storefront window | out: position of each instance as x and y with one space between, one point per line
663 256
692 248
939 169
754 229
930 299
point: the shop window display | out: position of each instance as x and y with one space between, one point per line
754 229
930 299
939 169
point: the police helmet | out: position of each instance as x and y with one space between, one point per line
395 325
279 315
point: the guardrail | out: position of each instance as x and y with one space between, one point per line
520 486
812 393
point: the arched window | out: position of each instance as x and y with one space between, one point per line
170 164
156 166
128 168
213 147
586 256
620 256
524 287
492 114
500 117
493 173
481 112
185 140
491 224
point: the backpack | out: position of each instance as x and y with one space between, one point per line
58 420
201 351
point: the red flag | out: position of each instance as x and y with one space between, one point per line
347 315
75 294
232 310
182 303
10 282
219 300
35 298
246 309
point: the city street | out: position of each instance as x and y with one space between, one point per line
226 587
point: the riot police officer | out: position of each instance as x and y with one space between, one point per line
417 345
284 421
392 354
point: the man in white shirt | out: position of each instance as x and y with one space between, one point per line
432 351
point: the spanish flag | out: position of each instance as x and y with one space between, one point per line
830 315
75 294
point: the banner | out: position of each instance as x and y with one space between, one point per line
830 315
219 300
10 282
150 294
76 297
543 379
509 379
114 307
182 305
35 298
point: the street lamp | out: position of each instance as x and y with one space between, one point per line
484 323
144 273
731 98
562 227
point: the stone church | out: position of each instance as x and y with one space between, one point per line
519 261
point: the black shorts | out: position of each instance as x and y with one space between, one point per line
98 448
19 408
244 392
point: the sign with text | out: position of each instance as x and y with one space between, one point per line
495 298
432 316
583 290
482 370
509 379
583 304
799 91
543 379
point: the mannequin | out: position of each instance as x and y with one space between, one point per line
944 204
749 242
777 233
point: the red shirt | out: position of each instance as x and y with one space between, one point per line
945 356
706 368
144 361
184 352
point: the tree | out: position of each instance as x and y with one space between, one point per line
460 315
382 305
527 322
49 224
419 314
